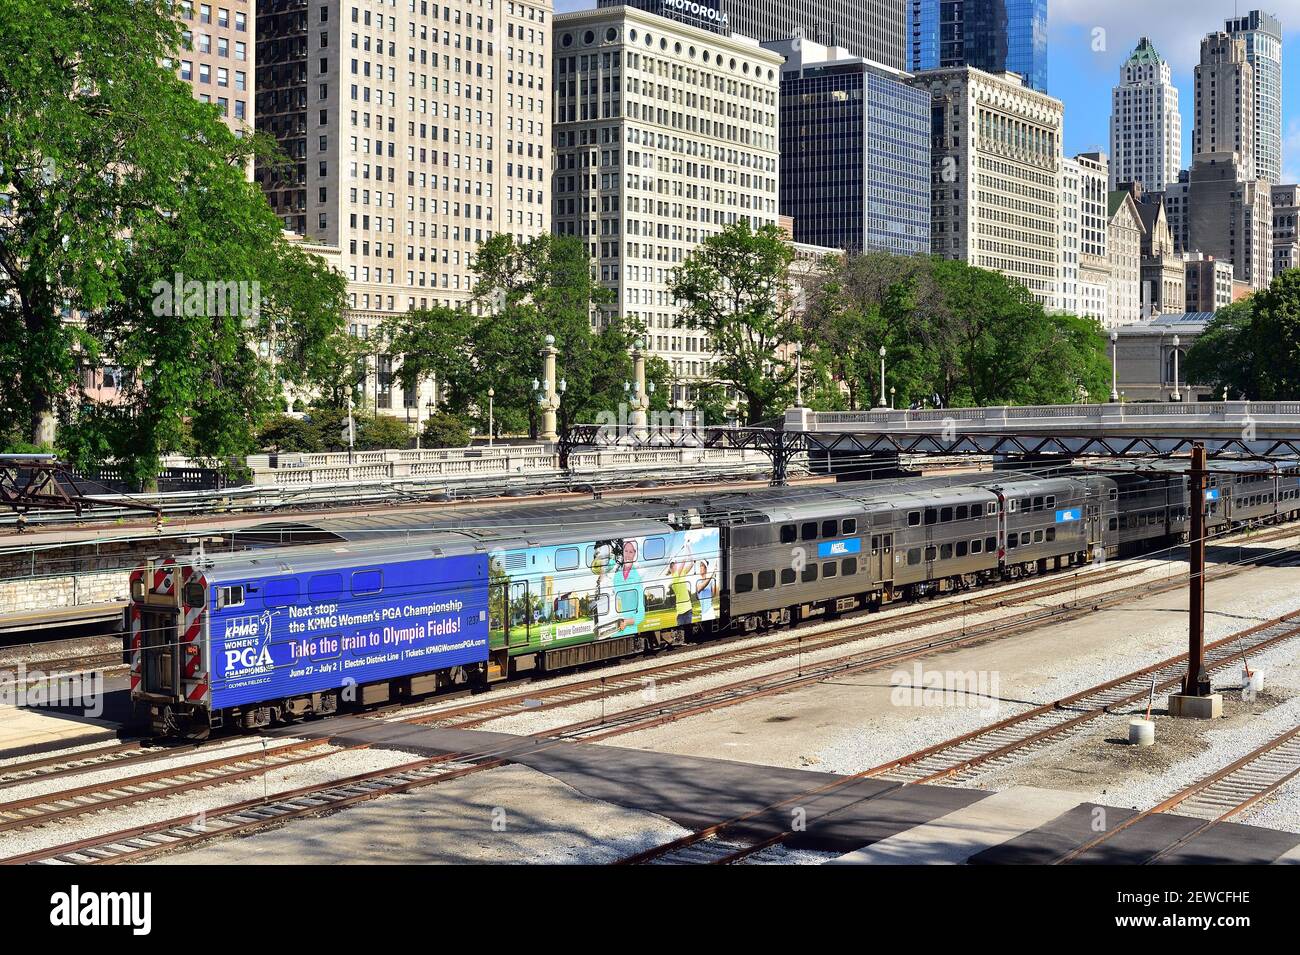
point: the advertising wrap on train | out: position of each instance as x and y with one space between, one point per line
426 615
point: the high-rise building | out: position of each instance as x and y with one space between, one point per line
1174 198
1124 234
1286 235
855 151
874 29
221 57
414 135
665 134
1262 35
1231 218
996 187
995 36
414 132
1225 102
1071 206
1146 129
1094 236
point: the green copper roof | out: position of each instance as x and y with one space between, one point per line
1145 53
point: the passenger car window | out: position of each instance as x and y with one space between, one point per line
766 579
744 583
913 518
654 548
368 582
849 566
808 531
566 558
830 528
787 576
788 534
850 525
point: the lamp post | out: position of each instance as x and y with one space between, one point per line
891 397
1177 396
548 398
882 376
1114 366
638 393
798 374
492 393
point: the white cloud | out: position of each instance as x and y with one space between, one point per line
1174 26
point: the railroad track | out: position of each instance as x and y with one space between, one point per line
140 842
64 804
469 715
959 759
1220 796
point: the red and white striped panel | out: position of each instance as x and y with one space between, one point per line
136 654
194 678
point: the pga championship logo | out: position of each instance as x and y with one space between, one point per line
247 646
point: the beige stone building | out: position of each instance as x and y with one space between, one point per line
1094 242
416 131
996 187
221 56
1286 238
1124 234
1208 282
665 134
1163 273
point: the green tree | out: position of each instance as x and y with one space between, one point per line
116 180
1223 355
735 288
522 293
1252 347
444 430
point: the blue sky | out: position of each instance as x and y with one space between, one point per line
1083 64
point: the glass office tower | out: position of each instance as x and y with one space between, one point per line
990 35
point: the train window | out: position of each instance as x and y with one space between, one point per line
1051 533
913 556
1114 524
849 566
945 552
787 576
932 553
627 601
961 549
931 516
977 546
602 605
889 541
230 596
366 582
1027 503
1011 505
590 554
808 531
829 569
1012 542
913 518
281 593
830 528
325 587
789 533
963 512
566 558
976 510
1112 494
654 548
809 573
766 579
1024 538
875 545
990 544
1049 502
945 515
850 525
744 583
1038 537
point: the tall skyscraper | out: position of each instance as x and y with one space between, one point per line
996 189
995 36
665 134
221 59
415 131
1229 209
1262 35
855 152
1146 129
875 29
1225 102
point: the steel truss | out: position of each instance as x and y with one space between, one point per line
40 481
782 447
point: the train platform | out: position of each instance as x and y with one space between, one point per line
863 821
26 732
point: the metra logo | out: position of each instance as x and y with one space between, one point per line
841 548
1072 514
247 645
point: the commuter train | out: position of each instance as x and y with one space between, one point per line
369 611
